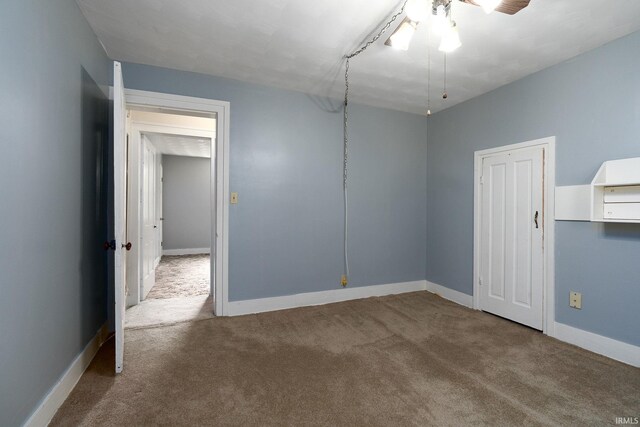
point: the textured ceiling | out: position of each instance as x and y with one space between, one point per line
299 45
178 145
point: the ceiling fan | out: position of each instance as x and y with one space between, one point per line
443 25
510 7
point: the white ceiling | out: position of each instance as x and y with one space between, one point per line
299 45
179 145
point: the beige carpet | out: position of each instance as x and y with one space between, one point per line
168 311
411 359
181 276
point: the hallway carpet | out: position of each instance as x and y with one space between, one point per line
181 276
411 359
168 311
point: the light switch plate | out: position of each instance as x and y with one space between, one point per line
575 300
234 198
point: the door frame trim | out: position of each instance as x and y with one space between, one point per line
219 176
549 176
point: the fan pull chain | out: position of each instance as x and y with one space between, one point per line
428 73
444 91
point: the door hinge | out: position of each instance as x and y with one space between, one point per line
480 281
481 179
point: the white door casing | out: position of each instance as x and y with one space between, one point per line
219 179
511 237
159 219
549 145
119 209
149 212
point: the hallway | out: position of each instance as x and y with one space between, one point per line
181 276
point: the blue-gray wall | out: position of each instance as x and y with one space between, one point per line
592 105
286 150
186 202
54 131
285 234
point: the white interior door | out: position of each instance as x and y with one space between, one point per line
119 207
148 217
511 236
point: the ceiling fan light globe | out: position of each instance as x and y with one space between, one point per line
401 38
450 40
418 10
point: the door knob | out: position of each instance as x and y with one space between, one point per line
127 246
109 245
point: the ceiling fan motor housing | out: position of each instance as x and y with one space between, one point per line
444 3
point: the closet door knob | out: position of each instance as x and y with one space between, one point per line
127 246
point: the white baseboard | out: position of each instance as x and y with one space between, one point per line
61 390
618 350
189 251
614 349
238 308
450 294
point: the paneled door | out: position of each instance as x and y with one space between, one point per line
511 235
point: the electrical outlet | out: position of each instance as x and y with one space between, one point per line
234 198
575 300
343 281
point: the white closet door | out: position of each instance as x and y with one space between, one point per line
511 258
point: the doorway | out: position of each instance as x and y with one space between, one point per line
513 232
184 267
169 216
219 177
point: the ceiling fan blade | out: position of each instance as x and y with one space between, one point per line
510 7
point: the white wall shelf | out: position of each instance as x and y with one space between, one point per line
615 192
573 203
